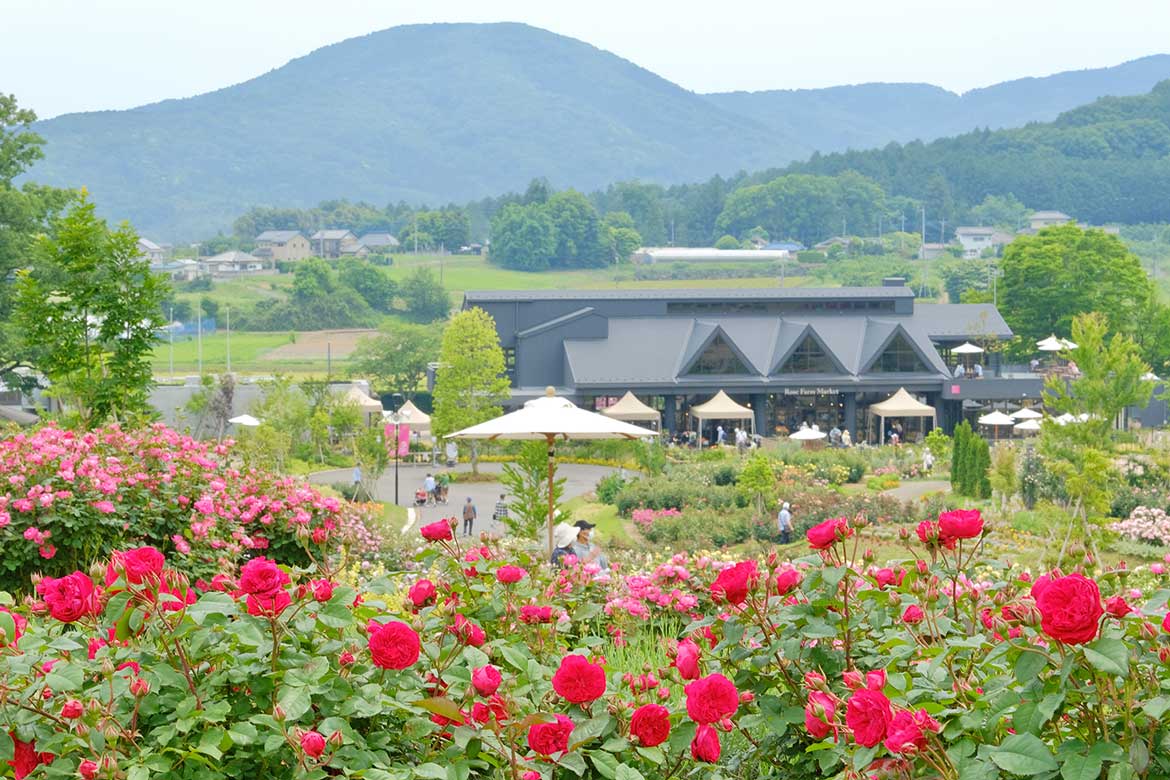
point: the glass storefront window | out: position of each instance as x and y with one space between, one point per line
718 358
899 357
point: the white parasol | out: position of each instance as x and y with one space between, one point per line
1027 425
247 420
996 420
808 434
548 419
1026 414
967 348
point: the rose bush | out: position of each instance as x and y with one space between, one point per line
68 498
747 670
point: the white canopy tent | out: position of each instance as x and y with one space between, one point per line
630 409
901 404
721 407
368 406
416 418
547 419
246 420
996 420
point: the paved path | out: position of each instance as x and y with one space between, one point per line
579 479
911 491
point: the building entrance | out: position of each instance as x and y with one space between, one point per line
822 407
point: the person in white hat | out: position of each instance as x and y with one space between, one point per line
563 537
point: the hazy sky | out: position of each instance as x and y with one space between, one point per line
59 56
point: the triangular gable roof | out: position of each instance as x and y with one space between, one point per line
721 407
418 419
790 341
356 395
902 404
630 408
890 331
703 334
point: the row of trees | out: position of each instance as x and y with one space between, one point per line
562 230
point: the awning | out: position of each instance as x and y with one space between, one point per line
630 408
721 407
902 404
418 420
355 396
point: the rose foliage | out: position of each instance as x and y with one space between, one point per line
129 671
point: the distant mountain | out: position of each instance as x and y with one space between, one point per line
872 115
437 113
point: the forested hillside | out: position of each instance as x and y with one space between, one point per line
432 114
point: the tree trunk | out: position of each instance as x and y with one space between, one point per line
474 457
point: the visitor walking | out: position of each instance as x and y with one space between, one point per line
469 515
846 439
500 513
429 486
720 434
927 460
784 523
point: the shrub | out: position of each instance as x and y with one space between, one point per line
72 497
1145 524
608 488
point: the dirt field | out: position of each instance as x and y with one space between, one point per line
315 344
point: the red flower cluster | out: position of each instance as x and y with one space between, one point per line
686 659
824 535
421 593
143 564
819 714
530 613
467 632
907 731
69 598
438 531
960 524
486 680
868 714
733 584
264 583
711 699
650 723
510 574
578 680
549 738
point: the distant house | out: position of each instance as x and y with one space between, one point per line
282 245
379 242
1043 219
231 262
183 269
785 246
151 251
333 243
829 243
470 249
932 251
977 240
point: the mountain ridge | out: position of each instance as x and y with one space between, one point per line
452 112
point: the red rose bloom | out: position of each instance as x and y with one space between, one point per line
438 531
1117 606
25 758
686 660
787 580
313 744
421 593
824 535
888 577
578 680
711 699
142 564
1070 609
705 745
650 723
394 645
549 738
88 769
72 709
1166 622
69 598
510 574
322 590
913 615
486 680
868 714
929 534
494 708
907 731
819 713
960 524
268 605
262 577
733 584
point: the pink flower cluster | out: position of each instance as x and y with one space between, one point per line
1145 524
646 517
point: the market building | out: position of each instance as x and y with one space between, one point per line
791 355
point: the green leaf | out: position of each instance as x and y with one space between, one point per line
606 763
1156 707
626 772
242 733
294 701
64 677
590 729
1023 754
1081 768
433 771
441 705
1028 666
138 772
575 763
1108 655
652 754
213 603
335 615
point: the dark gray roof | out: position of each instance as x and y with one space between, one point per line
945 321
378 239
657 350
713 294
331 234
278 236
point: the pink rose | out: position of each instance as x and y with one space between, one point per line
486 680
686 660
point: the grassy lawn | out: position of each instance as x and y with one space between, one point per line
248 350
604 516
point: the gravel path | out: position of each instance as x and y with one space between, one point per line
911 491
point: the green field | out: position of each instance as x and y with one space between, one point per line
249 355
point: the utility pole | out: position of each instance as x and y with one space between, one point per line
924 225
942 231
228 334
171 331
416 232
199 336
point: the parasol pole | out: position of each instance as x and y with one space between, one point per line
552 454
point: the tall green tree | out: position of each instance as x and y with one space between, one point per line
396 359
523 238
1051 277
470 384
89 311
370 282
25 212
526 480
425 297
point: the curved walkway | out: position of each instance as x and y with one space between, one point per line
579 479
910 491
